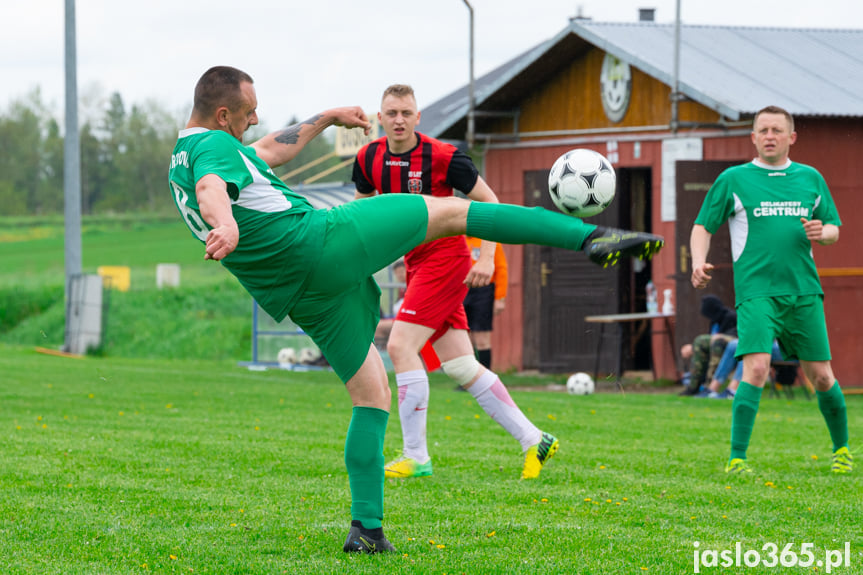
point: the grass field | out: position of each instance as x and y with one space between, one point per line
32 251
163 456
123 466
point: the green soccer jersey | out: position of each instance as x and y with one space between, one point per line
280 233
772 256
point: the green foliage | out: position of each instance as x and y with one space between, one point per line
17 303
13 202
209 323
30 164
212 323
124 157
119 466
32 251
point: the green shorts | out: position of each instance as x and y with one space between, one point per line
340 306
797 322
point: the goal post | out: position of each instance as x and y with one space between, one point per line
270 336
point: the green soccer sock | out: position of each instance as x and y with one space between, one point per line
832 406
364 458
743 412
509 224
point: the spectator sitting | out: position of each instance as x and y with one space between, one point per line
729 363
707 349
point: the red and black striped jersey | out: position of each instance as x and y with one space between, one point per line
431 167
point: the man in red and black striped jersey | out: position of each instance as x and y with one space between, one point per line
439 276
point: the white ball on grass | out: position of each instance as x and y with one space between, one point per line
287 357
309 355
580 384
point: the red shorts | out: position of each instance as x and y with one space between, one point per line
434 295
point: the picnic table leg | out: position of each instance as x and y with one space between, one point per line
670 333
598 352
619 373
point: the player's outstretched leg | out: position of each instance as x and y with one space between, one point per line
606 246
510 224
362 540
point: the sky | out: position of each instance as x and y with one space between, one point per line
309 55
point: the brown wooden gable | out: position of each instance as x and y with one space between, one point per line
570 100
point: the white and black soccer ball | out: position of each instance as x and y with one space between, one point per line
582 183
309 355
580 384
286 357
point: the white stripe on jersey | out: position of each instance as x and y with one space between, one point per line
738 226
261 195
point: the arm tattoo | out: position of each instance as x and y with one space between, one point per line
291 134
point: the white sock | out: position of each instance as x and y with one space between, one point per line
413 387
492 396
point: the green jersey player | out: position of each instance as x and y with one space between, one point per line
776 208
317 265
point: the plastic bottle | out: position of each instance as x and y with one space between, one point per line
667 306
650 290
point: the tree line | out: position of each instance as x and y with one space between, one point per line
125 152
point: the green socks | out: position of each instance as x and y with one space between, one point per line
509 224
743 412
832 406
364 458
745 407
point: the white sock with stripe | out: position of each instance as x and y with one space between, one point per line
413 388
493 397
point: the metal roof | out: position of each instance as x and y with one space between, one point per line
733 70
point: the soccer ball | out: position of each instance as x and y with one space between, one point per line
286 357
309 355
581 183
580 384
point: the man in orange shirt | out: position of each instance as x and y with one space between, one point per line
483 303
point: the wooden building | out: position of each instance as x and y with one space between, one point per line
611 87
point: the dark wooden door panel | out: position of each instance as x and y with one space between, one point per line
561 287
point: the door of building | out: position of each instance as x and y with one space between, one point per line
561 287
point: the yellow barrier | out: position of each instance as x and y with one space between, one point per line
115 277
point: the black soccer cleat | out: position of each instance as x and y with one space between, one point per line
605 246
362 540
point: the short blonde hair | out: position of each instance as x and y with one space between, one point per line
399 91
